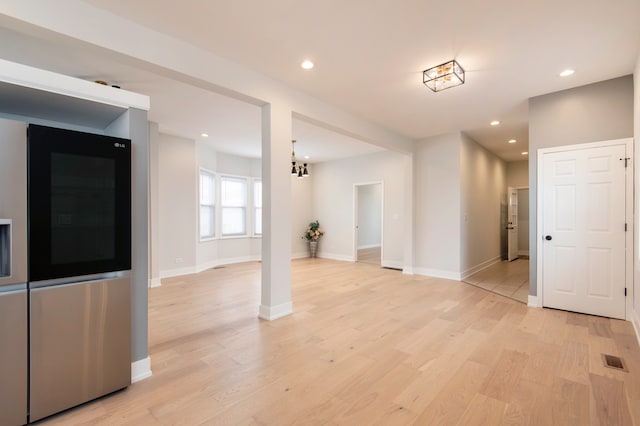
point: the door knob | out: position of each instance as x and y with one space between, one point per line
548 237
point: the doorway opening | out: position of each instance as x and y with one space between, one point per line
510 277
368 202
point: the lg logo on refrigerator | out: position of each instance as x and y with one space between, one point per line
119 145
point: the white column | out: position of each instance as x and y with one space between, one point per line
276 212
409 214
154 228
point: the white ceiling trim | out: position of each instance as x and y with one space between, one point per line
34 78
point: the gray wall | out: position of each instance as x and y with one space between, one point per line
596 112
436 166
483 181
518 173
459 193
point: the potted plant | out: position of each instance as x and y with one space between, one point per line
312 234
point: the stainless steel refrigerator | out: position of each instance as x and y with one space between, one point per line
13 273
64 340
79 241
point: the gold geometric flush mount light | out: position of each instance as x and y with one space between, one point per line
443 76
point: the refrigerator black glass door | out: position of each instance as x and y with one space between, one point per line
82 208
79 203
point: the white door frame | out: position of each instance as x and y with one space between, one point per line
518 188
355 218
510 225
628 142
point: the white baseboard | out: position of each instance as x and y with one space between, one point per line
300 255
207 265
534 302
226 261
333 256
479 267
368 246
523 252
271 313
141 370
407 270
393 264
154 282
169 273
438 273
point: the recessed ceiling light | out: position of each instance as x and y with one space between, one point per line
205 135
307 64
525 153
306 157
566 73
494 123
512 141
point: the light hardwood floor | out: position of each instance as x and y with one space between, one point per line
369 346
510 279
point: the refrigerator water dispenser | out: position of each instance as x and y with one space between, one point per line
5 248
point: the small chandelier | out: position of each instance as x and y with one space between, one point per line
297 169
443 76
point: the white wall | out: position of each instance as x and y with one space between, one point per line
179 163
369 215
177 198
233 250
483 180
436 165
234 165
207 157
333 204
155 52
518 173
206 251
301 190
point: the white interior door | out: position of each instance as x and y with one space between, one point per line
512 224
583 229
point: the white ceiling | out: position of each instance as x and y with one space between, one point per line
369 56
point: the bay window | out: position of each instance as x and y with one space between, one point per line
233 203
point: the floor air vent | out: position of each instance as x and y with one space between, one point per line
612 361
